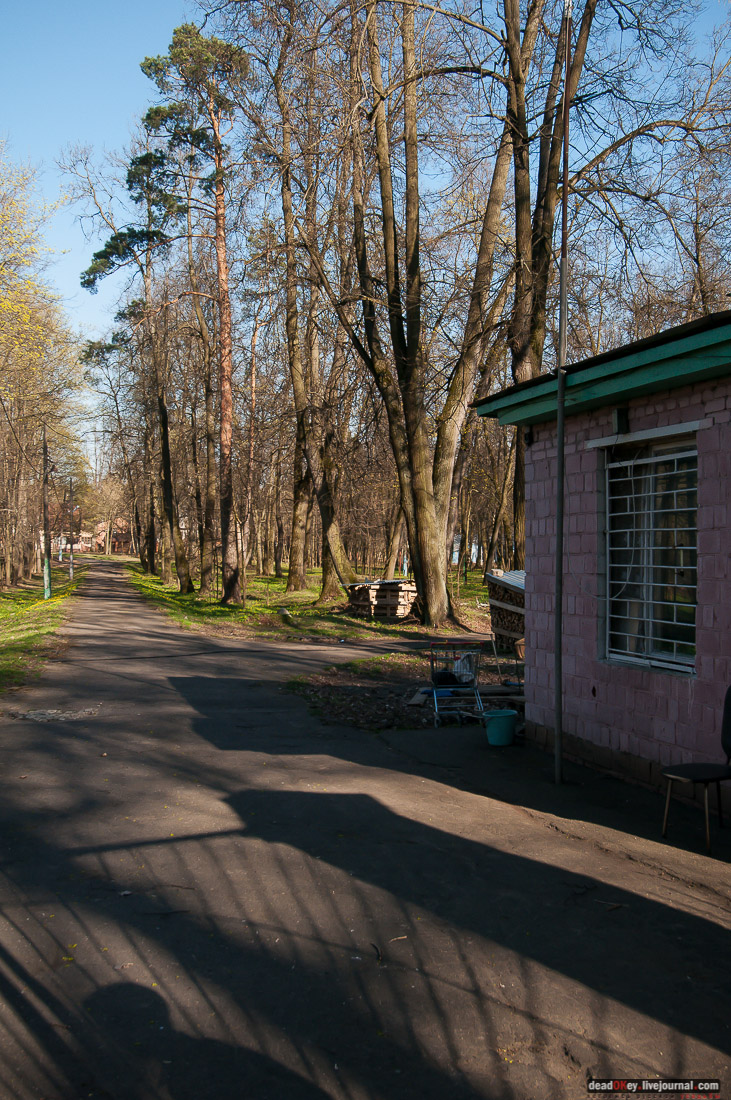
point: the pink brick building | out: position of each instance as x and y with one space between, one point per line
647 565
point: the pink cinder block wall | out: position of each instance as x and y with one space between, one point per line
665 717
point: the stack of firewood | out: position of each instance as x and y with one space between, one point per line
382 599
507 611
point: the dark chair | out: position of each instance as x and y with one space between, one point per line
704 773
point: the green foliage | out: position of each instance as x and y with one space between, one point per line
151 181
176 121
96 352
208 69
119 250
200 78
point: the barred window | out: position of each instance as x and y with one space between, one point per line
651 495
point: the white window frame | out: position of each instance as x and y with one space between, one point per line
651 561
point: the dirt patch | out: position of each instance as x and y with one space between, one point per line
374 693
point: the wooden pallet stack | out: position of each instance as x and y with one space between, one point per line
382 599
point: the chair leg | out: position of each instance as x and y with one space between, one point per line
718 804
708 825
667 808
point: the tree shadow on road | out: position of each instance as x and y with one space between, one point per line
334 947
249 714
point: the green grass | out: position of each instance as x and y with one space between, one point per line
28 624
387 666
267 598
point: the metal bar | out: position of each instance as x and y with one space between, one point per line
71 529
560 415
648 557
46 523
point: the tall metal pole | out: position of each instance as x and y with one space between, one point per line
46 524
560 408
71 528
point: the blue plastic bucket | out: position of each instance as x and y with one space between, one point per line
500 726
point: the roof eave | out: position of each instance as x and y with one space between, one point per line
589 385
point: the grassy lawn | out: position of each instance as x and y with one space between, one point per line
28 624
271 612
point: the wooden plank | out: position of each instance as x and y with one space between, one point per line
419 699
508 606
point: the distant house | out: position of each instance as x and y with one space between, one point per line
113 537
83 541
647 566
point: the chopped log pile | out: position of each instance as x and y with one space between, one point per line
382 599
507 605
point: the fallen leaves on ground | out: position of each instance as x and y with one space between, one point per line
373 694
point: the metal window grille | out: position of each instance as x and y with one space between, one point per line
652 500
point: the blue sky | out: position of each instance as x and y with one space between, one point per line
69 74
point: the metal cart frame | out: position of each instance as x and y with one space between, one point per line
455 678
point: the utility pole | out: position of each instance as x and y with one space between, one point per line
46 524
71 528
560 413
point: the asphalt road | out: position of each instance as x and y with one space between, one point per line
207 894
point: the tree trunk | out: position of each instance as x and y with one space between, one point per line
258 518
8 555
206 491
136 526
209 497
230 573
248 481
518 555
268 535
182 568
166 572
330 589
307 420
279 537
534 227
150 533
500 511
456 491
394 544
196 481
301 506
21 556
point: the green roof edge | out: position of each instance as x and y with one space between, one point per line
694 352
